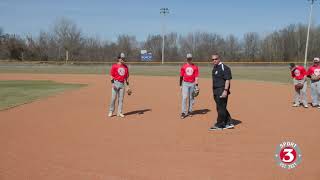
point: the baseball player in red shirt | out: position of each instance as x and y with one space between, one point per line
299 75
314 74
189 74
119 73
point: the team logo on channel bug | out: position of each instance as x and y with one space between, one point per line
288 155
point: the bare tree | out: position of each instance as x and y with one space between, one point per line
43 45
110 50
232 48
301 39
187 44
15 46
153 44
171 48
251 45
129 45
314 43
272 47
285 44
68 36
190 44
2 45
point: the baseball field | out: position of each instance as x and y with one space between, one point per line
54 125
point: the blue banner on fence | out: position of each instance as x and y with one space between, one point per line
146 57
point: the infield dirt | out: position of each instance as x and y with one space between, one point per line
69 136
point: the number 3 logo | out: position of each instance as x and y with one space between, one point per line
288 155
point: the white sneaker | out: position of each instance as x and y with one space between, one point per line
229 126
318 107
110 114
120 115
305 106
295 105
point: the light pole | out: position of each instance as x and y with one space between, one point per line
308 33
164 12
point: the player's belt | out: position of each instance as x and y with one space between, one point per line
188 82
119 81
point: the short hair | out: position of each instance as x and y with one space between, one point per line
216 54
292 65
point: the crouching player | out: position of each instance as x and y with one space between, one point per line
299 75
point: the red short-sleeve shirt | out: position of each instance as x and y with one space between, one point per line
189 72
314 70
119 72
298 73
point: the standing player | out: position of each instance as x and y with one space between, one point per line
119 73
314 74
221 80
299 75
189 74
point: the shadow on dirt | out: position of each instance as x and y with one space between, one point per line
235 122
200 111
137 112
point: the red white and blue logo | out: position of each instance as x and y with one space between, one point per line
288 155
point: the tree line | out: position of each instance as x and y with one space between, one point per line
287 44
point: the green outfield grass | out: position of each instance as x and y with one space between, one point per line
14 93
272 73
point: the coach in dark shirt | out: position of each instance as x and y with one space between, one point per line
221 77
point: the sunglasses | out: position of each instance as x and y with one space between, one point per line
215 59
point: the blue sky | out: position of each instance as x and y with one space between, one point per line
107 19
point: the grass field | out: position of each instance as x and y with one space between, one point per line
14 93
278 74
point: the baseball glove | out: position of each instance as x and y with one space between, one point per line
315 77
129 92
196 92
298 86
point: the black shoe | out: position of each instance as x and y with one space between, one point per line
215 128
229 123
190 114
183 115
230 120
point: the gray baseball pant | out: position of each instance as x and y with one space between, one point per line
119 91
300 96
187 89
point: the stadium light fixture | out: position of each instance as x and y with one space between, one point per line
164 12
